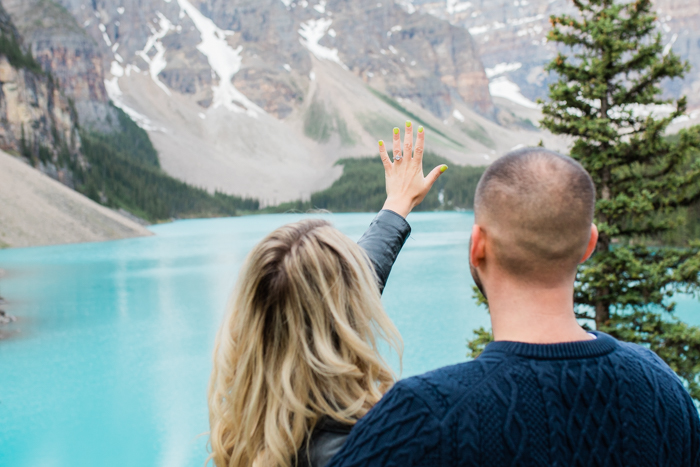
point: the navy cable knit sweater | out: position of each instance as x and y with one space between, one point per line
596 402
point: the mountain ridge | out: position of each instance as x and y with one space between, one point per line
260 98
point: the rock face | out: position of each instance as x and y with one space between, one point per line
511 37
61 46
35 118
409 56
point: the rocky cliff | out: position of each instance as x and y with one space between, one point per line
36 120
62 46
511 38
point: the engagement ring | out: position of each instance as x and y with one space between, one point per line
397 158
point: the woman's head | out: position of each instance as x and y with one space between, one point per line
299 341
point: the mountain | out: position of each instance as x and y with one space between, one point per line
39 125
35 118
510 37
55 115
59 44
261 98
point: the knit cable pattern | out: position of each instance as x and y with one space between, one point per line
593 403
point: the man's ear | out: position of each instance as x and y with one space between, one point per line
477 246
592 242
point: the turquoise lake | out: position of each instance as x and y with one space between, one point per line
109 361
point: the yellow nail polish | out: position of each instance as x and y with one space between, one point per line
396 131
420 129
408 124
381 143
443 169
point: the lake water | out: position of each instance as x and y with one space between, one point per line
109 362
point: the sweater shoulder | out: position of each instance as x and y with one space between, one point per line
645 357
641 365
442 389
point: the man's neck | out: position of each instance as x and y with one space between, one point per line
532 314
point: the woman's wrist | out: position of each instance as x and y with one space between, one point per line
401 207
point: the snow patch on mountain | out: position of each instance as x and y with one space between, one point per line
311 32
321 7
655 111
686 118
640 111
157 63
526 20
223 59
536 30
477 30
505 88
455 6
105 36
502 68
117 97
407 6
669 46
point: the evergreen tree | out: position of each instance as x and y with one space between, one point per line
608 86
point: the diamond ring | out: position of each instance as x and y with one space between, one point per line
397 158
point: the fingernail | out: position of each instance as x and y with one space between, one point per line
381 143
396 131
420 129
408 124
443 169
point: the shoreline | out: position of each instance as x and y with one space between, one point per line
5 318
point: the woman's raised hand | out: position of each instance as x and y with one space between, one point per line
406 186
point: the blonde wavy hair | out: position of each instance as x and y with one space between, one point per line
299 341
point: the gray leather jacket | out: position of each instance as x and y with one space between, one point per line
382 241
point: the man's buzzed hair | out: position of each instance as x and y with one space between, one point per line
537 206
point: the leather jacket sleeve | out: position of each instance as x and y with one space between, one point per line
326 440
383 241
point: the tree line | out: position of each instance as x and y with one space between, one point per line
361 188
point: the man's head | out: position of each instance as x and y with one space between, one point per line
533 211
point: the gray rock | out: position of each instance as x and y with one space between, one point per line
35 118
61 46
514 31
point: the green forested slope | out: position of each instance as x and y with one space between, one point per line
10 48
123 172
131 141
361 188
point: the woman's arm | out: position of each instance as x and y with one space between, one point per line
383 241
406 187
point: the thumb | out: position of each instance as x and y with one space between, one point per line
435 174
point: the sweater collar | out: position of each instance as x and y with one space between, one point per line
604 344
